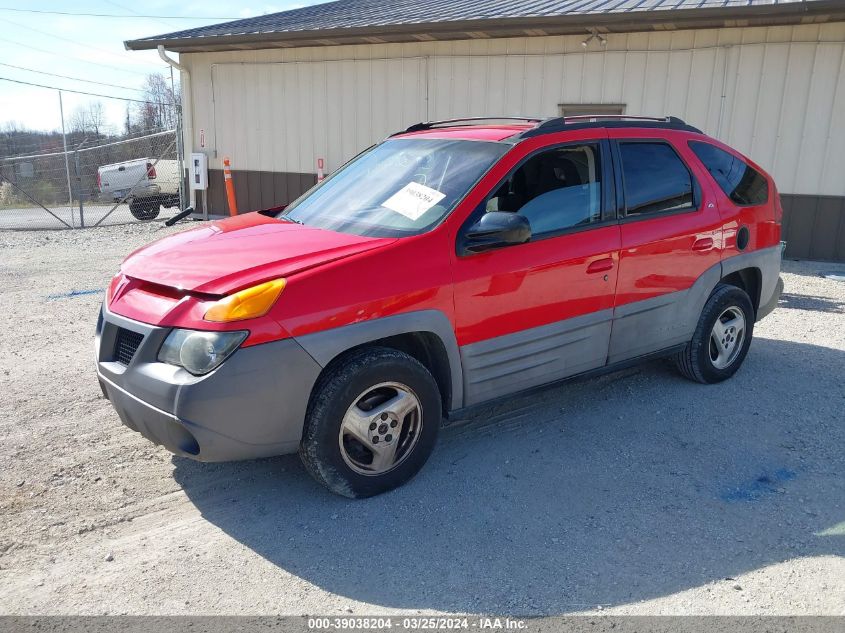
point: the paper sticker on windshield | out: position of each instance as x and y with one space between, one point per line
413 200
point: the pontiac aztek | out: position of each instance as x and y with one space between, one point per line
453 263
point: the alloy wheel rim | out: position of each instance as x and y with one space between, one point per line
380 428
727 337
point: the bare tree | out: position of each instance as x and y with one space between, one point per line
158 112
89 119
96 117
78 120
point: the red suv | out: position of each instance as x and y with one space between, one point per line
454 263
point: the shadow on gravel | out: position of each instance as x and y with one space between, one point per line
809 302
604 491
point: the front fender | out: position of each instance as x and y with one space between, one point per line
326 345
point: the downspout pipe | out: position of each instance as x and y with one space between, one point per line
172 62
187 75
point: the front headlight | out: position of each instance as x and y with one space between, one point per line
199 352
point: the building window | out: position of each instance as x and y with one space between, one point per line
599 109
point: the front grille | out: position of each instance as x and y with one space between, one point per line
126 344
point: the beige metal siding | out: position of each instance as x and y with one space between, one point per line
775 93
283 116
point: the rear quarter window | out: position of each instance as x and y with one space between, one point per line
743 184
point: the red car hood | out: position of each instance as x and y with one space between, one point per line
239 252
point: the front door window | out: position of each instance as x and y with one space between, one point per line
555 190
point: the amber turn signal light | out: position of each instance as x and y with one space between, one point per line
246 304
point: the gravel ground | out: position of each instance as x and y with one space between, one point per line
638 492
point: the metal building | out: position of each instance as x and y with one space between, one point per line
279 92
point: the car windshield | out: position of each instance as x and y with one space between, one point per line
397 188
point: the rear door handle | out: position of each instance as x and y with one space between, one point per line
600 265
703 244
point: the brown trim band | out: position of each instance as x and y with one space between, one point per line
254 190
814 227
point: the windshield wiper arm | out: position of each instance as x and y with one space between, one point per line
289 219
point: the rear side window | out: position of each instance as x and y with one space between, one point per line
741 183
656 179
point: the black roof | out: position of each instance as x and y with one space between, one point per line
405 20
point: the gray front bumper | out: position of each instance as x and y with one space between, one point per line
253 405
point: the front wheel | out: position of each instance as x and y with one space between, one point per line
722 337
372 422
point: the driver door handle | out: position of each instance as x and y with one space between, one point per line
703 244
600 265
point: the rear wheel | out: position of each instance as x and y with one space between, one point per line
372 423
722 337
144 209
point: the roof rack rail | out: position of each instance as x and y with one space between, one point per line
427 125
623 117
562 124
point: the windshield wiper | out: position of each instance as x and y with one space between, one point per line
288 219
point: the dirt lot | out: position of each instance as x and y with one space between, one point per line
638 492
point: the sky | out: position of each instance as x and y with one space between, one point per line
92 48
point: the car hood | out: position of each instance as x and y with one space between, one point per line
239 252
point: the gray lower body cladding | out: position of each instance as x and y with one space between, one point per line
253 405
768 262
326 345
645 326
766 308
548 353
511 363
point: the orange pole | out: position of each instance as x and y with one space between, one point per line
230 188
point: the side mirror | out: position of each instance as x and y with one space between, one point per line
494 230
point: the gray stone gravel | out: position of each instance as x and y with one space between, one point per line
637 492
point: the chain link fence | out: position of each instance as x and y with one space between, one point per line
95 178
113 160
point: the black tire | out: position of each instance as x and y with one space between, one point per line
144 209
337 390
695 361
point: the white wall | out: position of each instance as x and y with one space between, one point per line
774 93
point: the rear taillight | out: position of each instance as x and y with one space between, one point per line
151 171
99 182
